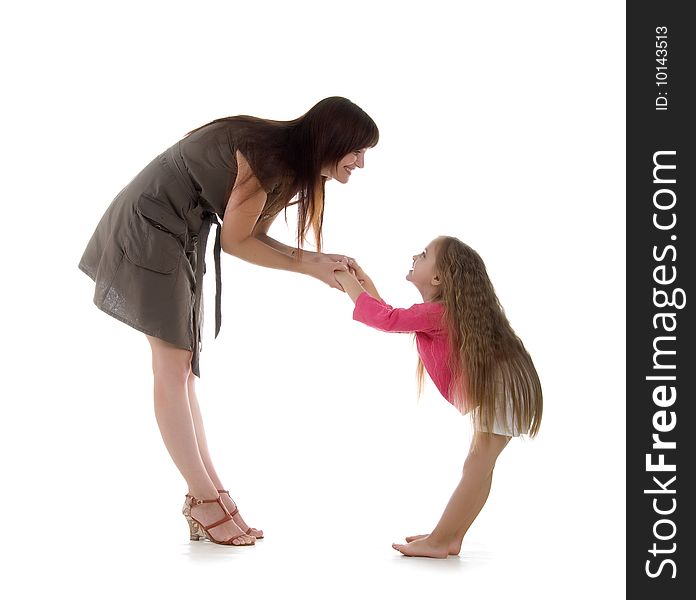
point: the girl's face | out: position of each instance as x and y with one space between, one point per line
423 273
343 168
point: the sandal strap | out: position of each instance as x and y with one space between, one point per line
236 508
220 522
195 501
227 517
234 537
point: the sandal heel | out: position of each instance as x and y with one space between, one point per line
194 531
198 531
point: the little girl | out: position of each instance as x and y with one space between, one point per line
474 358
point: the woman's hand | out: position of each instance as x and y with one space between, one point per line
342 258
324 271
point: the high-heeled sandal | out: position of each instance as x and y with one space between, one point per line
236 510
199 531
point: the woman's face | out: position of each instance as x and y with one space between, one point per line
344 167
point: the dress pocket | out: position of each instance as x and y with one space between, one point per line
161 213
150 247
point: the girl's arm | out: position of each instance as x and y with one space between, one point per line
350 284
356 281
364 279
373 311
243 209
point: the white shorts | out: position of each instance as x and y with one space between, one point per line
503 424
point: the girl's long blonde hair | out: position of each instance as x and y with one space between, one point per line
488 361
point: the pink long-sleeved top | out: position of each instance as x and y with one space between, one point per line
425 320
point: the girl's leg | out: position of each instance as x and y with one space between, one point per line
466 502
171 367
456 546
205 456
480 502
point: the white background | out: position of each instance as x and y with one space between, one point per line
501 123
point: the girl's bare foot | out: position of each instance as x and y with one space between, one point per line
231 507
423 547
211 513
454 547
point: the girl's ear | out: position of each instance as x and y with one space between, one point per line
435 280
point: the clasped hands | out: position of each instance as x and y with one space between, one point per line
332 268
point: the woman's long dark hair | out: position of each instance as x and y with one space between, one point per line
291 154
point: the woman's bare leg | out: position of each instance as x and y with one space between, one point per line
466 502
205 456
171 367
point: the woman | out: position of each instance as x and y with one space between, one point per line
147 258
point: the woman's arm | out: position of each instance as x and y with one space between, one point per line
242 213
260 232
287 250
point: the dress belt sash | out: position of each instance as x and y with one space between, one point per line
209 219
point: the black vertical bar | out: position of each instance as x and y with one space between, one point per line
661 300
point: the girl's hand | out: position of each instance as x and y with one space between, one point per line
357 270
349 284
344 277
324 271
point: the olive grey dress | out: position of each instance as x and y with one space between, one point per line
147 253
